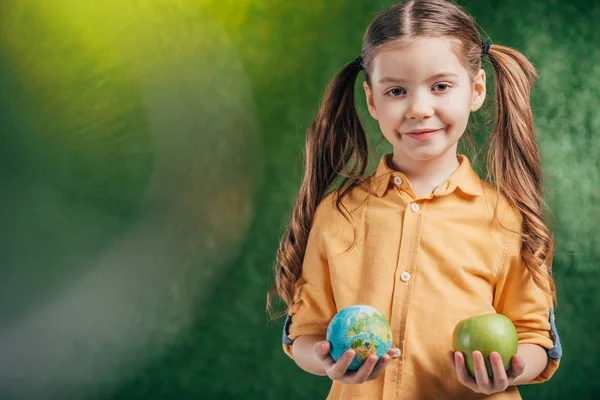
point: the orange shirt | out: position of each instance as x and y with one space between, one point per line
426 263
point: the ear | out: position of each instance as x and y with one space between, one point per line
370 101
478 95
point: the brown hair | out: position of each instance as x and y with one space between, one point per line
336 143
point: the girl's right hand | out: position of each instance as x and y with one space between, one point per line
337 371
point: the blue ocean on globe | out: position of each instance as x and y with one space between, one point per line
361 328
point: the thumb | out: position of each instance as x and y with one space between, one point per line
322 351
518 365
322 348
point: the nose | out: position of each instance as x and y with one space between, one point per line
420 106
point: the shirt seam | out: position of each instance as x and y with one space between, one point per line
316 226
320 247
508 238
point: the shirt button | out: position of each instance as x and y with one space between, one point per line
398 181
397 353
415 207
405 276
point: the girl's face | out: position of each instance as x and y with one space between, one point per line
422 85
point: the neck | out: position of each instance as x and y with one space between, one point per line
429 173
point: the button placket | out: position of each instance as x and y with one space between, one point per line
407 259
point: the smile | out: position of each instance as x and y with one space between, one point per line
423 135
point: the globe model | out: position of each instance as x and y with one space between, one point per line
360 328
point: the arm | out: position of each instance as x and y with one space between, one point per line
314 304
517 296
304 332
531 310
305 356
536 361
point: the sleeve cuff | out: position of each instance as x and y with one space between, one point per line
286 341
288 338
286 330
554 353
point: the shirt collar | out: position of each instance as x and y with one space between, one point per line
465 178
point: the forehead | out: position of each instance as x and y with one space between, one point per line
416 60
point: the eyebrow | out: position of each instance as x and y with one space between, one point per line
389 79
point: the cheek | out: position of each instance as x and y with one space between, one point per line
456 113
389 114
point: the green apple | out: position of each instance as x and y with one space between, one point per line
486 333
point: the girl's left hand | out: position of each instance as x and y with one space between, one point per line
482 383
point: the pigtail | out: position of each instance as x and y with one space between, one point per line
336 146
514 162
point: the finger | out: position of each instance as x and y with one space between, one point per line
383 362
338 370
322 351
365 370
462 373
481 376
452 362
517 367
500 382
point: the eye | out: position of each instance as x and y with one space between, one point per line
444 85
395 92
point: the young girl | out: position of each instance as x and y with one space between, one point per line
422 239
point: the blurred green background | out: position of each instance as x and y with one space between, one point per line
150 152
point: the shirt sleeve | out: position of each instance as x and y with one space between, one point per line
530 308
314 305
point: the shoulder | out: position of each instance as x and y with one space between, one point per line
351 201
331 215
499 209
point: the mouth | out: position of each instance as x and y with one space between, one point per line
423 134
421 131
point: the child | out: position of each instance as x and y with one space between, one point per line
423 239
